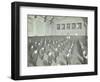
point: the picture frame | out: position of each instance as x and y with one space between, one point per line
57 16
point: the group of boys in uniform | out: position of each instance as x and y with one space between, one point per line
49 52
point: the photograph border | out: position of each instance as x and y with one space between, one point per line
15 39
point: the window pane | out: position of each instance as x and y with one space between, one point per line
73 25
58 26
79 25
63 26
68 26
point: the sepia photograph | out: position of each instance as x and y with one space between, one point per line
57 40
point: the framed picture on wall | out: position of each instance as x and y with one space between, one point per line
53 40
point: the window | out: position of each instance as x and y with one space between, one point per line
73 25
58 26
68 26
63 26
79 25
